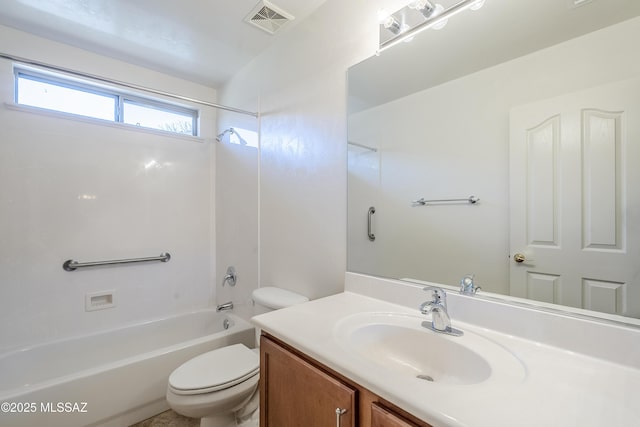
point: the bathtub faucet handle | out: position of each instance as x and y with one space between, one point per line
230 277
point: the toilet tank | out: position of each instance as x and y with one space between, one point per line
272 298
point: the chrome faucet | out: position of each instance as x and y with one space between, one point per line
230 277
225 306
437 307
467 287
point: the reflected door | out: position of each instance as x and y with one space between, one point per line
574 199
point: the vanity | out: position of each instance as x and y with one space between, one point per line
298 389
364 358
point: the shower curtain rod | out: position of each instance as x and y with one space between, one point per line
124 84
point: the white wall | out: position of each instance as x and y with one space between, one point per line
149 193
237 209
301 82
237 220
452 141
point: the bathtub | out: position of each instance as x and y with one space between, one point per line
113 378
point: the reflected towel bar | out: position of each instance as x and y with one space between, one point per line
370 213
366 147
421 202
71 265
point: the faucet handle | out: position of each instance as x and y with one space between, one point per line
230 277
439 296
467 286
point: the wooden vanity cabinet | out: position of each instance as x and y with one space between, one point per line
297 391
383 417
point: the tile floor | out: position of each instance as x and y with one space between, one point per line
172 419
169 419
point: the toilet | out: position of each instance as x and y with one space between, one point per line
222 385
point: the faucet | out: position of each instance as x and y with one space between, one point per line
467 287
440 320
230 277
225 306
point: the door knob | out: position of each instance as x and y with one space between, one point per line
519 257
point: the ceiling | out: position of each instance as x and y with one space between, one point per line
206 41
471 41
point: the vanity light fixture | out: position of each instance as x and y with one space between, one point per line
429 10
434 18
424 6
392 24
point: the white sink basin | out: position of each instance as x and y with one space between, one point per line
400 344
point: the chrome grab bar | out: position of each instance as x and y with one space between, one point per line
372 236
71 265
421 201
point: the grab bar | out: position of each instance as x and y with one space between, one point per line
71 265
372 236
421 202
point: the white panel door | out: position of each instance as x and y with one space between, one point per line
575 199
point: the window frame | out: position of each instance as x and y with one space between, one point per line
162 106
67 84
119 99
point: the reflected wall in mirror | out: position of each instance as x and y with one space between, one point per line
533 107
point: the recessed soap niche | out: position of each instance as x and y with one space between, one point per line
99 300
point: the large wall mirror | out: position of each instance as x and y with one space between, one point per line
530 106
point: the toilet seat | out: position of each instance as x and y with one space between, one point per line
216 370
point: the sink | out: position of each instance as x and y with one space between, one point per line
399 344
424 355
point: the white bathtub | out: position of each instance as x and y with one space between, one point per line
113 378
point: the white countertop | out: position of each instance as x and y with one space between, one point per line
558 387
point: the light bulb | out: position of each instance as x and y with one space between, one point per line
418 4
392 25
425 7
383 15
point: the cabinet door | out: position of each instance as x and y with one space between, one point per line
293 393
382 417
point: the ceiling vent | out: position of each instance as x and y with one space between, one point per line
268 17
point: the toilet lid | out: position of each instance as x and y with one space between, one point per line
216 370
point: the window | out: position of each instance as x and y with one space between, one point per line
158 116
58 94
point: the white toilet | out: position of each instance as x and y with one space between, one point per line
220 384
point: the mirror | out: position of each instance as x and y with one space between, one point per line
531 106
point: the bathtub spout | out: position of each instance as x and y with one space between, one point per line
225 306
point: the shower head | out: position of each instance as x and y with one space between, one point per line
226 131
